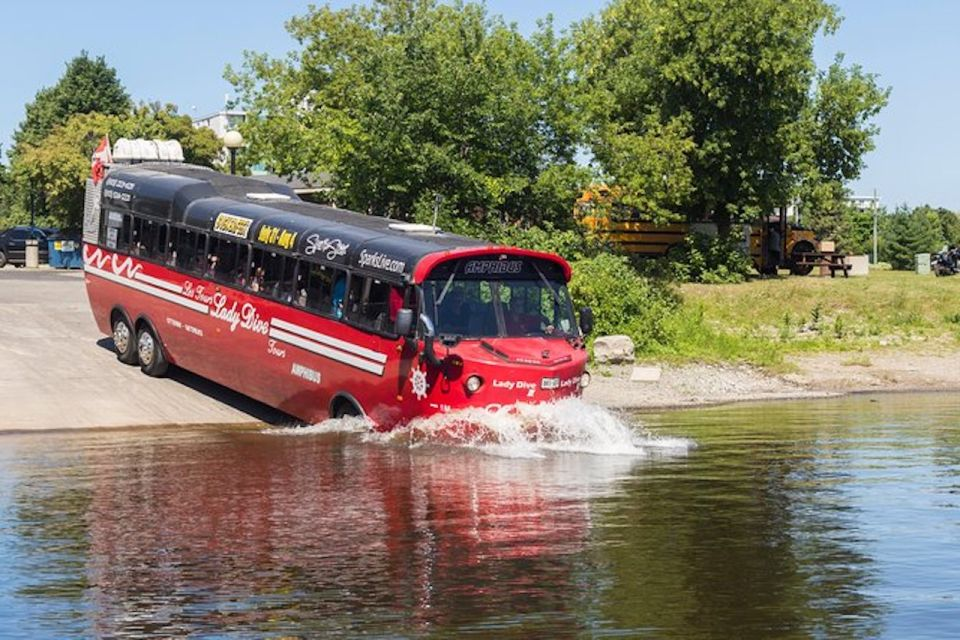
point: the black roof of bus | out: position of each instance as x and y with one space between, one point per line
272 216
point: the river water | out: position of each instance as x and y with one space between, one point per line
829 519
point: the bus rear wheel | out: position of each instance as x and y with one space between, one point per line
123 344
150 353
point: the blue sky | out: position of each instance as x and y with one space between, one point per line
175 51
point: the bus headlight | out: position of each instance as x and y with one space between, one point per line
584 380
473 384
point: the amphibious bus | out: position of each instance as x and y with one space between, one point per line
318 311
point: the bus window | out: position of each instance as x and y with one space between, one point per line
188 251
158 246
368 303
135 245
125 233
318 286
113 225
272 275
150 239
226 261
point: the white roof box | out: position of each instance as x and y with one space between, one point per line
127 151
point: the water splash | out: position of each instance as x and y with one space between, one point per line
331 425
518 431
532 430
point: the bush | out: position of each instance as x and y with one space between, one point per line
710 259
623 301
570 243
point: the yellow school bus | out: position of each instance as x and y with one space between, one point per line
774 245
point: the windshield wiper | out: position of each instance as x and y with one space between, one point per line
553 292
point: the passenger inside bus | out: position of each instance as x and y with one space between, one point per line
339 290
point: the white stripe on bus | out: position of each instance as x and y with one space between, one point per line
151 290
326 352
349 347
157 282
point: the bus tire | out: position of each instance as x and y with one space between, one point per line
150 352
124 344
345 408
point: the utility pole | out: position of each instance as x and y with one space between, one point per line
875 212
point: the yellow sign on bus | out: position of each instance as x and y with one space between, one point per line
231 225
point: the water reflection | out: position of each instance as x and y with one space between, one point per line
830 519
311 535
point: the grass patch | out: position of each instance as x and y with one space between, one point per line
763 322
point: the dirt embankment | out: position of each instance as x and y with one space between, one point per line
819 375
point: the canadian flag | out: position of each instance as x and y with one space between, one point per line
100 159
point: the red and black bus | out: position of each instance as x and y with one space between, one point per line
318 311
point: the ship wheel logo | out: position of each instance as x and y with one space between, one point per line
418 380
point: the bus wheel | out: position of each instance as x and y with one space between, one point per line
345 409
150 354
123 340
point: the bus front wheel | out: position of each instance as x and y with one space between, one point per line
123 344
150 353
344 408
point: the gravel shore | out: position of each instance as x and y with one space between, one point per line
813 376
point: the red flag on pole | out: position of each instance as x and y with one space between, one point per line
100 159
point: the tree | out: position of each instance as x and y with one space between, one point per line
88 85
59 165
909 232
950 226
405 101
832 138
726 89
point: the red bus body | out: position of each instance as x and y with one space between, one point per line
302 362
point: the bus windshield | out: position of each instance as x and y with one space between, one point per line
531 303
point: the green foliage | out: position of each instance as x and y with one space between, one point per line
852 228
702 107
832 137
623 301
949 226
906 233
404 100
58 165
710 259
88 85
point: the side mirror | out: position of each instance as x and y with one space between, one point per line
403 325
429 331
586 320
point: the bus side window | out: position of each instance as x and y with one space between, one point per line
113 227
158 246
368 303
135 245
125 233
189 248
319 283
226 261
271 275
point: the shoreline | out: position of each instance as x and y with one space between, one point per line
60 374
821 375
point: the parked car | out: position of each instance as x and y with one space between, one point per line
13 245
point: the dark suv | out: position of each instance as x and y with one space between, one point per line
13 245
